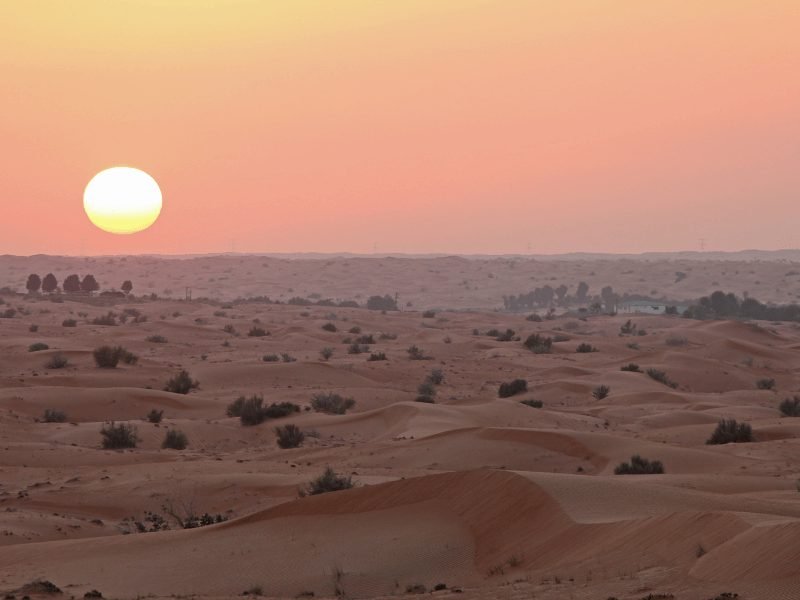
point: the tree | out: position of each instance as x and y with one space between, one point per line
609 298
382 303
49 284
561 292
127 286
583 290
89 284
34 283
72 284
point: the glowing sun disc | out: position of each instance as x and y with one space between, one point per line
122 200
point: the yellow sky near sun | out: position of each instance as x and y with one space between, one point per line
450 125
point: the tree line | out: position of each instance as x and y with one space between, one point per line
73 284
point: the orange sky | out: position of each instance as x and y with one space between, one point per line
411 126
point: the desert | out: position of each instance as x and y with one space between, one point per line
463 482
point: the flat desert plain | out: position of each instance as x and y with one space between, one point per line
467 495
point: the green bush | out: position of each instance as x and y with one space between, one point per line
289 436
57 361
155 416
585 348
512 388
52 415
329 327
182 383
38 347
108 357
601 391
331 403
270 358
326 353
175 440
376 356
790 407
729 431
639 466
416 353
632 367
329 481
539 344
119 436
436 377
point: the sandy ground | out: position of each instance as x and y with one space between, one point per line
490 497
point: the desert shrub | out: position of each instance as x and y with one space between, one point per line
155 416
629 328
230 329
661 377
436 376
534 317
355 330
632 367
633 346
790 407
729 431
57 361
38 347
175 440
585 348
331 403
356 348
329 327
509 335
329 481
539 344
69 323
639 466
251 410
276 410
511 388
256 331
116 436
156 339
289 436
601 391
326 353
287 358
676 340
108 357
425 399
429 314
109 319
52 415
182 383
377 356
366 339
270 358
33 328
765 384
8 313
426 388
387 336
560 337
532 403
416 353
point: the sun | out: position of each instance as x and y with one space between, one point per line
122 200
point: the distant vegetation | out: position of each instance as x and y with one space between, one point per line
118 436
721 305
729 431
182 383
52 415
329 481
639 466
632 367
765 384
289 436
790 407
108 357
538 344
175 440
661 377
331 403
512 388
252 411
601 391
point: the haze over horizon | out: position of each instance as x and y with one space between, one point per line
414 127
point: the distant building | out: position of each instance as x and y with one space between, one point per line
648 307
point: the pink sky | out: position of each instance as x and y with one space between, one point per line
452 126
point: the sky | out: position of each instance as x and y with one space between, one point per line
415 126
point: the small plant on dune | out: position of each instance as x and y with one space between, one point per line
287 358
38 347
426 392
230 329
765 384
539 344
429 314
33 328
249 410
512 388
57 361
155 416
51 415
366 339
256 331
331 403
175 440
632 367
628 328
289 436
639 466
633 346
532 403
534 317
108 357
436 377
376 356
156 339
356 348
276 410
790 407
182 383
661 377
601 391
416 353
676 340
509 335
729 431
108 319
69 323
326 353
585 348
329 327
117 436
329 481
271 358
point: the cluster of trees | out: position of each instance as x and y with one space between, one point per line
73 284
721 305
548 297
